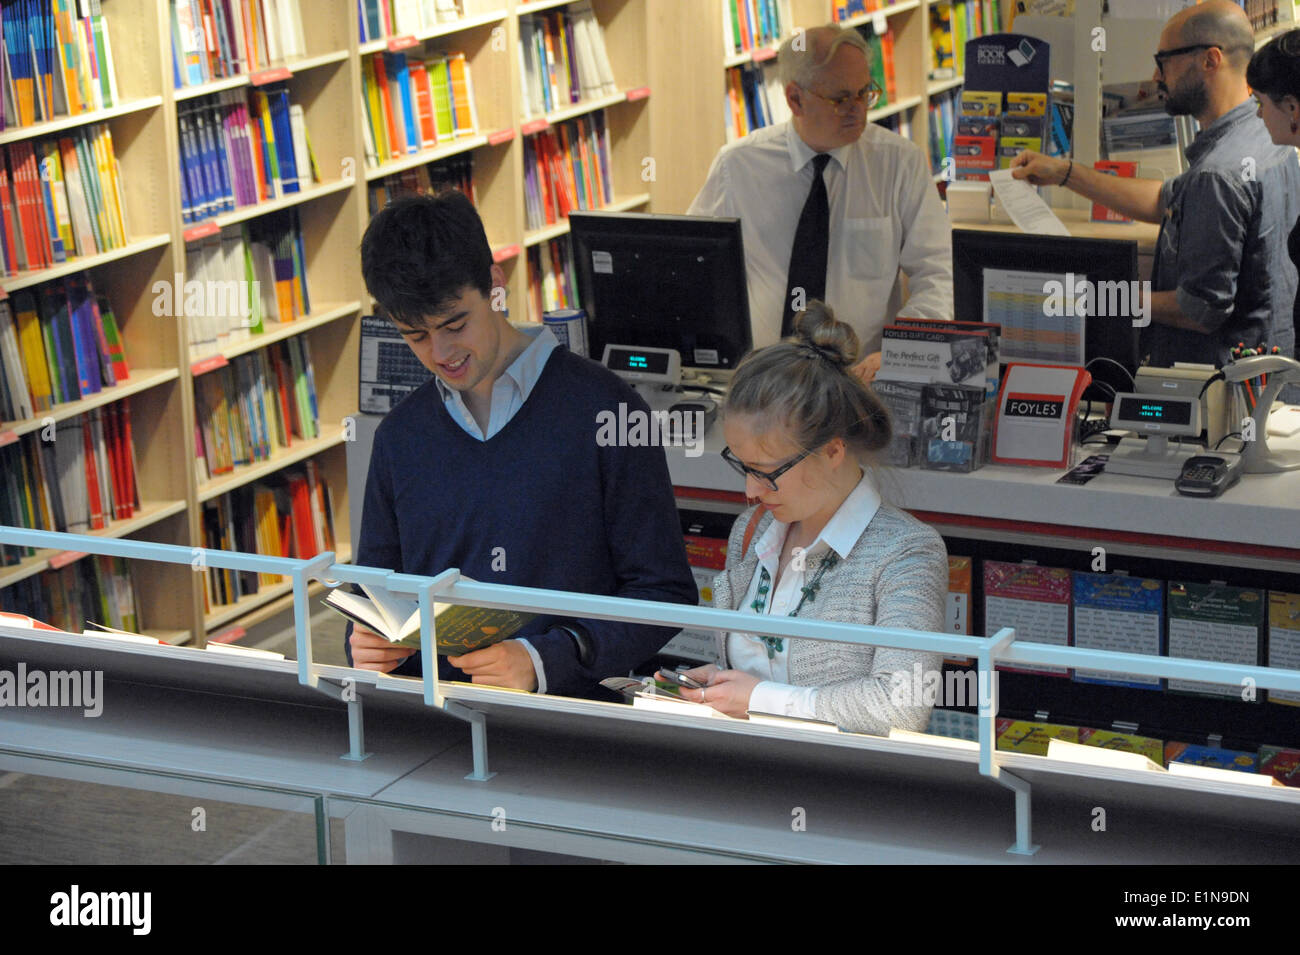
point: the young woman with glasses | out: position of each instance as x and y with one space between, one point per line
819 543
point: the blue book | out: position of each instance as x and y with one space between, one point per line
397 67
51 223
279 105
85 336
1115 612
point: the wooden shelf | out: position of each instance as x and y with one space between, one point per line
425 156
243 474
150 513
459 25
271 599
278 331
862 18
27 279
557 116
910 102
314 191
234 82
141 379
62 123
935 87
539 236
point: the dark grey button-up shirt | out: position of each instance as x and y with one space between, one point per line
1223 244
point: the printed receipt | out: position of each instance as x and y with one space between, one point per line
1024 205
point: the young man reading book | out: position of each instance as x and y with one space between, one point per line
493 466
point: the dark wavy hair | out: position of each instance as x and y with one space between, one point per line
422 252
1274 70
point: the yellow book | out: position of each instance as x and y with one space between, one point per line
32 343
52 169
376 109
108 183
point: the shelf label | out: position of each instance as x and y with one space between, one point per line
401 43
270 76
502 254
66 558
534 126
880 23
207 365
229 636
194 233
501 136
641 92
766 53
9 436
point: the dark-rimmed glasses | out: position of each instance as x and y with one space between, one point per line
1161 55
869 96
767 477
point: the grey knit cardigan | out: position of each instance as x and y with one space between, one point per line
895 576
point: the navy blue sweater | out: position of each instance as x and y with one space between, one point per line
542 498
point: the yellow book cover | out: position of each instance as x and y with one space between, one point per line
32 345
1152 749
1025 736
52 170
375 108
1026 104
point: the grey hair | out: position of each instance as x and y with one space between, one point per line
798 60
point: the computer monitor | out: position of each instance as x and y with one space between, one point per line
1032 285
661 281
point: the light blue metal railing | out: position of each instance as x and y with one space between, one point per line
450 587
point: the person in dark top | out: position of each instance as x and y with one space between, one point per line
1221 273
1274 76
495 467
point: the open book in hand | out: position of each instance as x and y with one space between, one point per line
459 629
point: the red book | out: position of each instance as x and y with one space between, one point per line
92 478
1125 170
423 102
7 205
303 529
39 239
128 461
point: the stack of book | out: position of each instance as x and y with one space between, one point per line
456 172
749 100
552 282
290 515
59 342
566 167
563 59
213 39
239 149
253 408
415 102
75 475
943 124
60 198
383 18
57 61
241 279
748 24
93 588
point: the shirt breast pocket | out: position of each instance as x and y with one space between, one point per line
872 246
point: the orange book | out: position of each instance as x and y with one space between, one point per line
95 499
390 121
462 93
423 102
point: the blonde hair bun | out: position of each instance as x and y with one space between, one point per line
834 340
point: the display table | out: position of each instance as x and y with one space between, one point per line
1255 523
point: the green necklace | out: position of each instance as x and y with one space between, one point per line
777 644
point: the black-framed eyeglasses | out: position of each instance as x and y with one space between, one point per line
767 477
869 96
1161 55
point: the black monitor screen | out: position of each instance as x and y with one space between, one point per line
655 281
1154 409
1052 295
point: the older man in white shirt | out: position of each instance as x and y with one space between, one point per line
879 210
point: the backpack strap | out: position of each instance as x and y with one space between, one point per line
750 528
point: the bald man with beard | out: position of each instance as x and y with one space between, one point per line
1221 273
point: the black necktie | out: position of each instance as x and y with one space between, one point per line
811 244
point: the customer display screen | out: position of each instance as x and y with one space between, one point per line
633 359
1156 411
